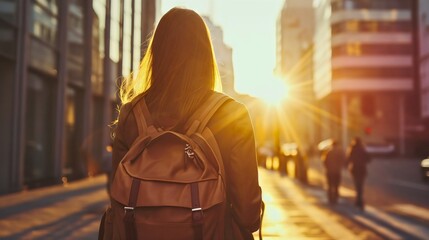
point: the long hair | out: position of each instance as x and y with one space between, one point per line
179 68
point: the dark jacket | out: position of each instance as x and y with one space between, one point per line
334 160
233 131
357 160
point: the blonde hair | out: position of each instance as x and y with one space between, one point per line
179 68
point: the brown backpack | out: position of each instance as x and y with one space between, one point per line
169 185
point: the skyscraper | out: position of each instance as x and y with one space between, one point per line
364 75
60 62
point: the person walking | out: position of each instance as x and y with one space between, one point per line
177 76
334 162
357 160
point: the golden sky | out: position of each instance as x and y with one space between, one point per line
249 27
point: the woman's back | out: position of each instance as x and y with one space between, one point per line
176 76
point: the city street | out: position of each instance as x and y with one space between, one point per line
82 80
293 211
396 197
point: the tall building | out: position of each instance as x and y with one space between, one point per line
424 57
60 62
294 65
364 71
223 55
295 31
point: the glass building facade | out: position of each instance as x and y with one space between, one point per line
364 72
60 62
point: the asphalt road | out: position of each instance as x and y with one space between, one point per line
394 192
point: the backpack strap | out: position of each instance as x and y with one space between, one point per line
199 119
143 118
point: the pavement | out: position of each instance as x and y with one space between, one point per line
73 211
293 211
69 211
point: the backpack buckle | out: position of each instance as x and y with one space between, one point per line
197 209
197 215
128 209
189 151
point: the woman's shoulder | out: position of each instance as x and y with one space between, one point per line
233 108
126 108
230 114
124 111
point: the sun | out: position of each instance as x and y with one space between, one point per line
273 93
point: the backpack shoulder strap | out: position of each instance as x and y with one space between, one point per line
143 118
199 119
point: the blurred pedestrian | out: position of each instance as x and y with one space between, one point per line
357 160
106 166
301 166
334 162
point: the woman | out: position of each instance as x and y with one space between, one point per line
357 159
176 76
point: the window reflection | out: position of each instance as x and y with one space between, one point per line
49 4
98 45
7 40
126 64
7 73
75 57
42 57
44 25
354 49
115 28
137 36
74 164
370 4
8 10
44 40
40 118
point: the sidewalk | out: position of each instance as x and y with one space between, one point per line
73 212
292 213
70 211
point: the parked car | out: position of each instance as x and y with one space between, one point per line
264 152
380 148
424 166
289 149
373 148
325 145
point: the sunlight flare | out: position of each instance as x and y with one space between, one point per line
273 93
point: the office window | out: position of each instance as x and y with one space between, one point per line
352 26
43 42
7 40
44 25
354 49
115 55
126 61
337 5
371 73
137 42
98 46
115 31
8 10
371 26
7 73
373 49
75 41
40 130
368 105
74 161
49 4
43 57
349 4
